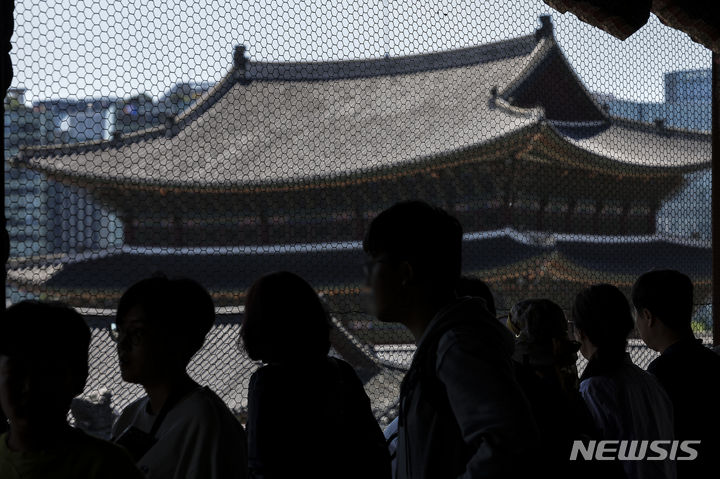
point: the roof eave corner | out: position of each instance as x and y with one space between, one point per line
546 35
546 29
546 45
536 113
545 41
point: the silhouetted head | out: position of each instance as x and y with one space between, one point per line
161 324
284 320
415 250
541 333
602 320
663 304
537 320
477 288
43 361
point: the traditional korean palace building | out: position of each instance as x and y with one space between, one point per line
282 165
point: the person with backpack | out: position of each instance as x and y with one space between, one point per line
308 413
462 413
545 366
467 286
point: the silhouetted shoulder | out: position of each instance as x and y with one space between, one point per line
686 360
345 369
109 461
208 407
302 371
469 326
599 389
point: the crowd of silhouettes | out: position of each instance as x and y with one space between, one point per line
484 396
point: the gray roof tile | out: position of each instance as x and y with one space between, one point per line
270 123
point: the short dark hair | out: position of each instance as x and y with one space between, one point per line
668 295
603 313
284 320
426 236
47 333
181 305
475 287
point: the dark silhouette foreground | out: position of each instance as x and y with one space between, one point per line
43 365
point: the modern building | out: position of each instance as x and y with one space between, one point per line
284 164
45 217
688 106
77 121
687 103
689 86
25 125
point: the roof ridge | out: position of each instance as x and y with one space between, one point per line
390 66
207 100
546 46
119 139
542 50
242 72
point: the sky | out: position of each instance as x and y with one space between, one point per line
92 48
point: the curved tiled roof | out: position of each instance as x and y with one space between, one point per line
228 271
289 123
228 268
277 129
640 144
634 258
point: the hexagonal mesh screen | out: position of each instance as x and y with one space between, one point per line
223 139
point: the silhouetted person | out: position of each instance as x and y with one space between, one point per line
626 402
467 286
689 372
180 429
43 365
308 414
545 365
461 411
477 288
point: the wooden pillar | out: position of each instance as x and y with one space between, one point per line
264 233
447 188
651 226
177 233
509 196
129 229
596 217
624 217
569 215
358 221
264 236
541 214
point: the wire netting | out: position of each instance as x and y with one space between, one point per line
223 139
